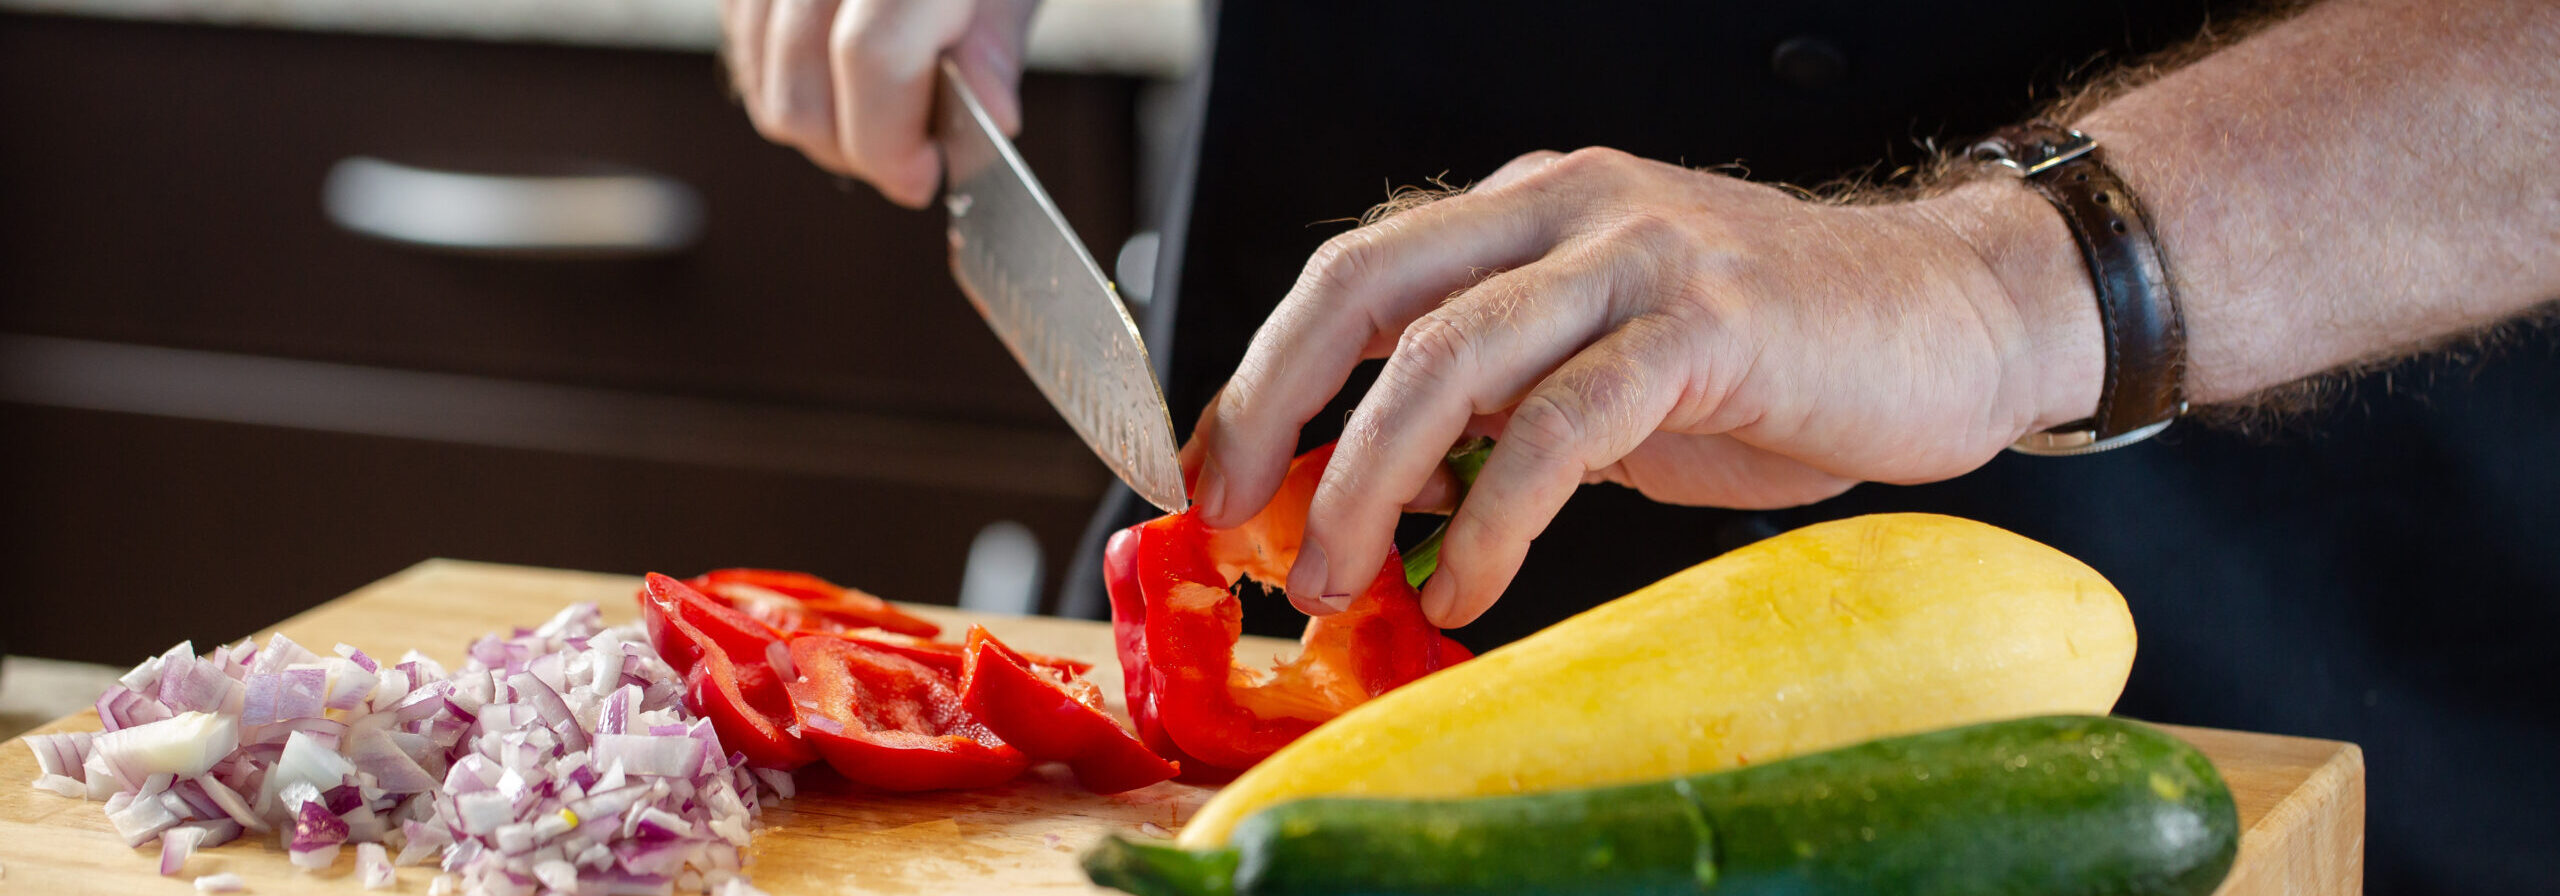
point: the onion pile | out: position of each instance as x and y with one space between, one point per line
557 760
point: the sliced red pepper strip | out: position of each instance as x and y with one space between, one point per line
1177 624
798 601
681 649
1051 715
743 636
889 722
746 704
942 655
721 654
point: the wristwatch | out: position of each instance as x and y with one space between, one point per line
2146 343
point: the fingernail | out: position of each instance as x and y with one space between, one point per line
1211 496
1306 582
1437 597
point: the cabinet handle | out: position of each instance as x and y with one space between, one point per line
622 213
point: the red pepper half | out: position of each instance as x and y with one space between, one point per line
1054 715
798 601
890 722
1176 623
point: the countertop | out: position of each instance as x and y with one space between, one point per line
1153 38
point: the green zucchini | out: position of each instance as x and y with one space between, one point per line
2048 806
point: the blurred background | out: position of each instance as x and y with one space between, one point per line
297 293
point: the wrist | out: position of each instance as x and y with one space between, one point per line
2057 361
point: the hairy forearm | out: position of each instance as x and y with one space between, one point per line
2359 181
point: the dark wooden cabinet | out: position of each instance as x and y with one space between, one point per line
220 407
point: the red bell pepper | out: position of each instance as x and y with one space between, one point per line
1054 715
888 709
889 722
798 601
726 676
1177 623
945 655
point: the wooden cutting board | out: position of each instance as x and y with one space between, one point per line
2301 801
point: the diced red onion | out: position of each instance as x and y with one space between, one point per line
61 785
200 804
317 858
375 753
122 707
195 685
778 781
778 655
424 701
280 654
216 832
556 874
61 753
618 711
306 761
482 811
314 826
513 838
140 820
420 840
184 745
644 754
373 866
140 676
101 776
233 805
558 758
349 684
736 886
176 845
226 882
283 695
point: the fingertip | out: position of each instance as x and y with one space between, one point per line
1439 494
1440 601
1247 478
1307 581
915 179
1210 495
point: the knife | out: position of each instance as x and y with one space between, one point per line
1036 285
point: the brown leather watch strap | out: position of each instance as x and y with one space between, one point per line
2145 340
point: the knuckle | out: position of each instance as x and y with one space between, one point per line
1548 425
1343 260
864 52
1590 161
793 111
1520 168
1433 348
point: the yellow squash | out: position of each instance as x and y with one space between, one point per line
1829 635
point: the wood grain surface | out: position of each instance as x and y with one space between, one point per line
2301 801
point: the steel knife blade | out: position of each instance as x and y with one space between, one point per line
1035 284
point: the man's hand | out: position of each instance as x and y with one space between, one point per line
850 82
1697 337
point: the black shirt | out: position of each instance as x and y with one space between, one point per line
2382 573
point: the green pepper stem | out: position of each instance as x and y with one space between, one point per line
1465 461
1150 870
